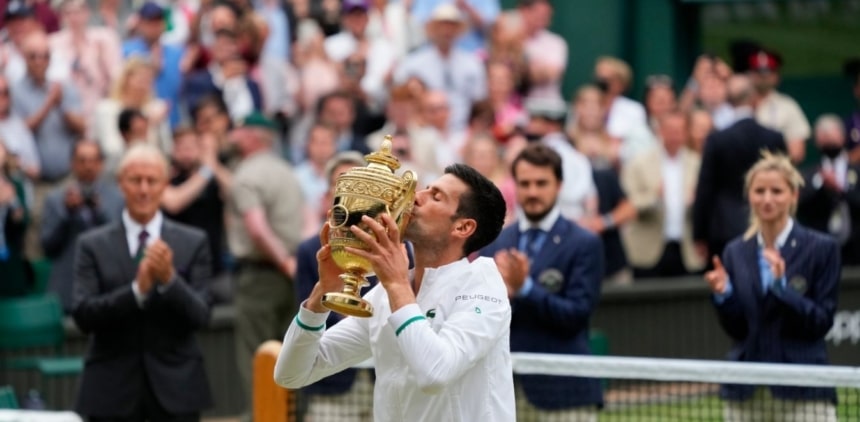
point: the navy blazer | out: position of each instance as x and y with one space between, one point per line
720 210
782 325
307 275
199 85
554 316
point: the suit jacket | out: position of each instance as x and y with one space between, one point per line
307 274
642 179
17 276
782 325
61 228
554 316
817 205
131 345
199 85
720 212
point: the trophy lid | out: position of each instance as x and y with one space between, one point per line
383 159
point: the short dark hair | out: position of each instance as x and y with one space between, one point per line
86 142
482 202
126 117
214 101
539 155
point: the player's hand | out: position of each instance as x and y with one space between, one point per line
717 278
387 254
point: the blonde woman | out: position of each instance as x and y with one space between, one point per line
133 90
775 290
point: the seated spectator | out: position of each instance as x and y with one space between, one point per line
86 201
17 279
505 101
546 51
133 90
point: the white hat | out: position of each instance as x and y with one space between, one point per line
446 12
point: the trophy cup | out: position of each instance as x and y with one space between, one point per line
371 191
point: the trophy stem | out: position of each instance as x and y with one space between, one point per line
348 301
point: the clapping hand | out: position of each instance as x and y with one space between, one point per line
717 278
514 267
159 259
777 264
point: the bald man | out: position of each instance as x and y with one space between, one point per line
140 289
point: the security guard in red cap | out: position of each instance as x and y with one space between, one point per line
776 110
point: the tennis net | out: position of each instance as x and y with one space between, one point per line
652 389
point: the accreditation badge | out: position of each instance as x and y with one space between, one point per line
551 279
798 284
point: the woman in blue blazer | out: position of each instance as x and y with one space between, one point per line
775 291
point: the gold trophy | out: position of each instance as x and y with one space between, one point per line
372 191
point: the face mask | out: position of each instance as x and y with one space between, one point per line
830 151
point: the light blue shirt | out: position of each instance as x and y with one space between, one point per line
473 39
767 278
545 225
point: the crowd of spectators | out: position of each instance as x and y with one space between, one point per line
451 81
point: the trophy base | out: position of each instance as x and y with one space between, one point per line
346 304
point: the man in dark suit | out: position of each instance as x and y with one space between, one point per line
830 197
85 202
140 290
553 270
720 211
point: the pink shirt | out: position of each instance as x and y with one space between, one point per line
92 66
547 49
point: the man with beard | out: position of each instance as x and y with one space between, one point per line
439 335
552 269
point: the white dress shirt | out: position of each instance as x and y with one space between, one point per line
625 115
673 196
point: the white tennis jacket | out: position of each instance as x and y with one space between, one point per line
446 358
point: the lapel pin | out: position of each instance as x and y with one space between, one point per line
556 239
793 243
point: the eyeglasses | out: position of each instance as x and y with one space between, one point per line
39 56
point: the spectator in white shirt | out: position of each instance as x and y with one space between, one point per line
444 67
